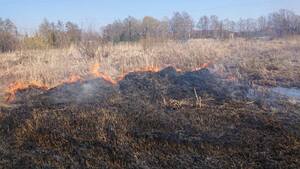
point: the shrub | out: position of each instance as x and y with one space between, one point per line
35 42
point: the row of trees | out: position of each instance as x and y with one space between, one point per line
49 35
59 34
181 26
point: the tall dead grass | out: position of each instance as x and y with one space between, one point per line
52 66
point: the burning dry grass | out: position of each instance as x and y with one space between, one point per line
100 118
152 122
265 62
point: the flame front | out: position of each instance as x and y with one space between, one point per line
143 69
203 66
15 87
73 79
94 70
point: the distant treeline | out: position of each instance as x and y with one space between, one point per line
180 27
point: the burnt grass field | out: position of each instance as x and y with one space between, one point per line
166 119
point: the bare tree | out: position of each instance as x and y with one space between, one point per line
47 30
164 29
203 26
281 22
214 26
114 32
150 27
181 26
8 35
73 32
132 29
229 25
262 24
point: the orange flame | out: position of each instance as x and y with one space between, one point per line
94 70
203 66
15 87
143 69
178 69
72 79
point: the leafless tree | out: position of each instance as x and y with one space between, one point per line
203 26
262 24
132 29
150 27
181 26
73 32
113 32
281 22
214 25
164 29
8 35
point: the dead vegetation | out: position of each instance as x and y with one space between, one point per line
148 120
264 62
168 119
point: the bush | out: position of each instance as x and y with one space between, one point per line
35 42
8 42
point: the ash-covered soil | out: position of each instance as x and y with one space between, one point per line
166 119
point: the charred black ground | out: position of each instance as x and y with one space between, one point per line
150 120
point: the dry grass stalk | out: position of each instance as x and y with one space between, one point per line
198 99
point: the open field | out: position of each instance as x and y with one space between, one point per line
213 111
150 84
273 62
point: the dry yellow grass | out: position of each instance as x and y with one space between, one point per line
142 124
266 59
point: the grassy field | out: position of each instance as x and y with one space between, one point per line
167 119
268 62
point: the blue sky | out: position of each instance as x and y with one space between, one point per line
27 14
